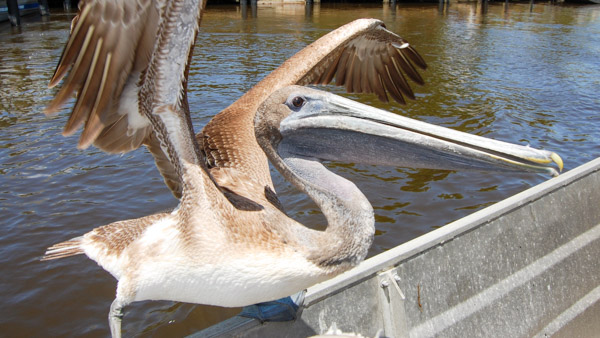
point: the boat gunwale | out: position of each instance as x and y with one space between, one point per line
403 252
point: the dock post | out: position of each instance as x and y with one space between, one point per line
13 12
244 8
254 8
67 5
308 8
442 4
44 9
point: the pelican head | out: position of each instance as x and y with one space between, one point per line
304 122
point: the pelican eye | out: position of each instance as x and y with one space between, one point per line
298 101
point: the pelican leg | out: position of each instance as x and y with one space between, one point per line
115 315
280 310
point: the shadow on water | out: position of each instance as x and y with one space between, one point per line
516 73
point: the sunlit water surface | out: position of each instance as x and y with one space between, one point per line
518 74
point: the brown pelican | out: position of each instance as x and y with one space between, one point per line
228 243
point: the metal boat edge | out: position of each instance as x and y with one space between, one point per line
525 266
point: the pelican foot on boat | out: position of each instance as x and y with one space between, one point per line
280 310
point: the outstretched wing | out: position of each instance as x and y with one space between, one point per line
127 62
109 48
362 55
374 61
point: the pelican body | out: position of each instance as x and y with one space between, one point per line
229 243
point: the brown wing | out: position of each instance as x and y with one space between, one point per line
362 55
371 62
111 59
109 47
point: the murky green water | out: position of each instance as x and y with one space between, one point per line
529 76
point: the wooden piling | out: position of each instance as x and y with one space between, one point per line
44 9
13 12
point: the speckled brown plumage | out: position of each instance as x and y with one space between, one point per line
112 238
117 236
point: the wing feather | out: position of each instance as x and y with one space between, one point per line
340 72
87 98
165 167
405 64
370 49
328 74
117 136
115 62
108 47
79 33
353 73
397 76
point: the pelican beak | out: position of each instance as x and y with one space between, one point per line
330 127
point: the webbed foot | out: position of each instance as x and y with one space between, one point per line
280 310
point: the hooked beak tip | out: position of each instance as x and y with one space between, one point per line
554 157
557 160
